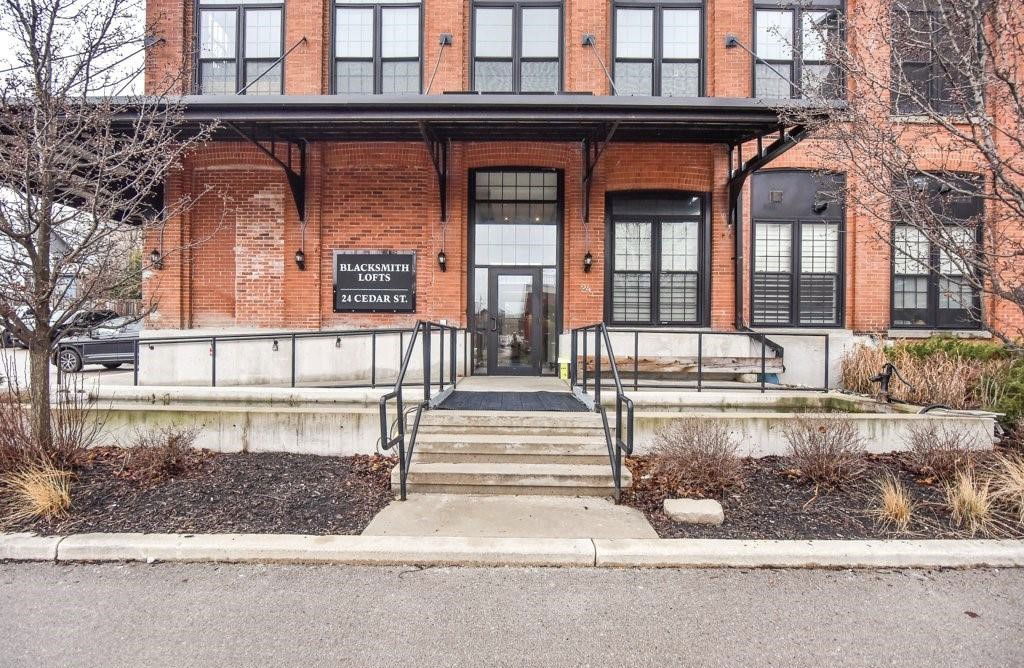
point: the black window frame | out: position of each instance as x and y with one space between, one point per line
797 220
703 272
932 321
240 9
517 59
939 80
796 64
376 59
657 58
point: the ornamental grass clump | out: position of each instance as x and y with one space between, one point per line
36 492
697 456
1008 484
825 451
894 508
970 503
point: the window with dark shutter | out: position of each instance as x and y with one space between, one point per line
797 249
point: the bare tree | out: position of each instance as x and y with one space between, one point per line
81 166
931 140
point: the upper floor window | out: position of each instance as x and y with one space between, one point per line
517 47
791 40
923 77
239 45
797 248
377 47
658 48
934 284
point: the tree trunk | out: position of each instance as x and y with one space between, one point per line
39 391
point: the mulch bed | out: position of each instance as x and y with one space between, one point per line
227 493
775 503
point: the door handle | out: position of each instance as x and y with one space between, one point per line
494 323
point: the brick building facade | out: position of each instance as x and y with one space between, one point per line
658 228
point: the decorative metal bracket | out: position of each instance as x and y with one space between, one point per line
437 149
592 152
297 148
765 154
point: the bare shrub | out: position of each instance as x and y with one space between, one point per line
826 451
75 424
939 450
970 502
894 508
36 492
157 454
1008 484
697 456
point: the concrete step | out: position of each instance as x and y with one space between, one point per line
516 448
503 423
514 478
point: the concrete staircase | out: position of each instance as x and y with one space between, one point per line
489 452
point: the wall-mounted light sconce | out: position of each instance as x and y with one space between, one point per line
588 262
275 347
442 261
337 342
819 207
300 259
156 259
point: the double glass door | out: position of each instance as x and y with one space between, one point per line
513 322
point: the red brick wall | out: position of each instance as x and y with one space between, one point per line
238 265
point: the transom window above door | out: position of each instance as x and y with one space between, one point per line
658 48
517 47
240 42
377 47
656 250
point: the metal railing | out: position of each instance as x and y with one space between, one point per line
426 329
623 439
584 370
374 376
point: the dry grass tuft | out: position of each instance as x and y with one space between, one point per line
1008 484
697 456
970 502
826 451
939 450
37 492
895 507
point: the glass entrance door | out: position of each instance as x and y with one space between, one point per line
514 327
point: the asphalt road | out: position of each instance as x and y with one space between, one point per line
218 615
14 365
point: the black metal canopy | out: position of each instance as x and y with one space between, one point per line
473 117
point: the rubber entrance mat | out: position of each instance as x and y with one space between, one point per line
512 401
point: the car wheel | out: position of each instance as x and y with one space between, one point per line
112 365
69 360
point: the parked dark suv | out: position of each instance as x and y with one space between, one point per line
83 321
111 344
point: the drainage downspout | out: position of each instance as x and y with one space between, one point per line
738 263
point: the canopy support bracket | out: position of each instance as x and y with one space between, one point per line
592 152
437 149
296 176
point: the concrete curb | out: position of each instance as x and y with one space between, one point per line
388 550
456 551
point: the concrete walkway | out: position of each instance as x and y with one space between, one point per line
512 384
482 516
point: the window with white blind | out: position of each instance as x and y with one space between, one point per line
658 48
240 42
517 46
377 47
797 250
656 256
791 39
932 281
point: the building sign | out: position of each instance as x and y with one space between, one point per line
374 282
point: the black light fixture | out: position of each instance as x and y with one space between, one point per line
819 207
588 262
442 261
156 259
300 259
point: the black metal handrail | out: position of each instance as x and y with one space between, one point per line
579 373
386 440
618 445
374 380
